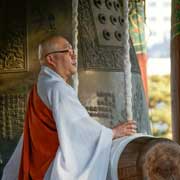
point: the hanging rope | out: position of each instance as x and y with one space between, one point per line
75 40
127 65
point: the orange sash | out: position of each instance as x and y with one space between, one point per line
40 139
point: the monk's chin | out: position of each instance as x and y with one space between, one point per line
74 70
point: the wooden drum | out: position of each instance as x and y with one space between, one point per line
143 157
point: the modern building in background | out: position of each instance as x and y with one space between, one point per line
158 27
158 20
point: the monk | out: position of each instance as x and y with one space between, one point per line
60 140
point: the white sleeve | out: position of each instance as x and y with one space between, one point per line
11 170
85 144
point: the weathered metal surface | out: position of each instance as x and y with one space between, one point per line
102 66
96 51
12 109
13 38
108 21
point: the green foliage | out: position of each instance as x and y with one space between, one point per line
160 105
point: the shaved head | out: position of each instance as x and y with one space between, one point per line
49 44
57 53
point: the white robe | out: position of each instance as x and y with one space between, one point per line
85 145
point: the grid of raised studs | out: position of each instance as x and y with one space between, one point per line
109 21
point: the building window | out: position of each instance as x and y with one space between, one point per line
166 18
152 4
153 33
153 18
167 4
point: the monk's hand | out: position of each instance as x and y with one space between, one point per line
124 129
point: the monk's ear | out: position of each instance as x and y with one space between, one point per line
51 61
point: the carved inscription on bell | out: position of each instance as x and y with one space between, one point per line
104 106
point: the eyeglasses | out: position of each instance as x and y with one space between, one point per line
70 50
